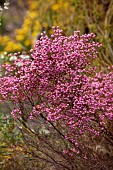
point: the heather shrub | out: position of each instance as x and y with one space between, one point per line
62 102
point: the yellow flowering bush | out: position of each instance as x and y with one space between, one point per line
40 16
9 45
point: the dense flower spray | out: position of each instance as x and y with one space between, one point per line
59 84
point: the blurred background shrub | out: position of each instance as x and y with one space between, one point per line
24 21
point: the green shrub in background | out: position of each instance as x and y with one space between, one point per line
14 155
10 138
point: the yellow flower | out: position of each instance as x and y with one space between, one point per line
33 14
56 7
36 25
19 37
4 40
34 34
27 42
25 31
33 5
12 46
66 5
27 22
17 47
19 31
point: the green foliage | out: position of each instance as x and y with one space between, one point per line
7 130
2 22
9 137
13 152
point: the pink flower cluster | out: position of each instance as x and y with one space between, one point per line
59 82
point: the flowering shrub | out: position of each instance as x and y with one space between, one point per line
69 100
